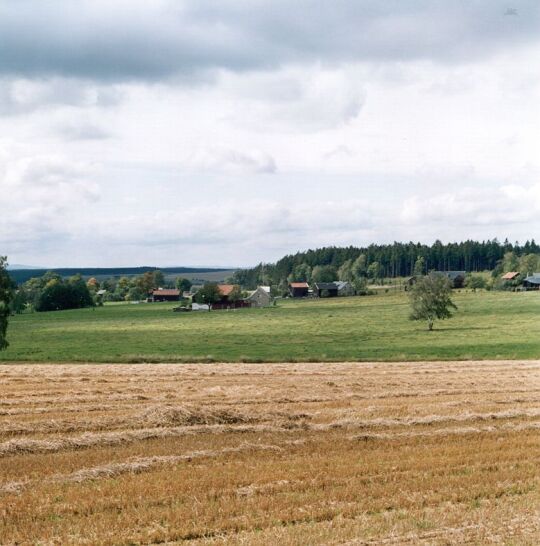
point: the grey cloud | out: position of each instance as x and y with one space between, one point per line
152 40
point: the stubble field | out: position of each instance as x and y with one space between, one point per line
289 454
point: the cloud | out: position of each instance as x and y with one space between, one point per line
23 95
41 196
294 99
230 161
139 40
501 206
252 222
83 131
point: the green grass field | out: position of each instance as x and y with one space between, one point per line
487 325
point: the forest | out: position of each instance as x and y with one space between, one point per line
391 260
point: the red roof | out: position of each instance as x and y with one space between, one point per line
166 292
226 289
510 275
299 285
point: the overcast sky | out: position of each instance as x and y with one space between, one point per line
229 132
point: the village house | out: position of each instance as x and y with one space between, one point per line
325 290
260 297
298 289
227 297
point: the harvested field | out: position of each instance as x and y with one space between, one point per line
288 454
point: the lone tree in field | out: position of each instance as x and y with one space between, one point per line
6 293
430 299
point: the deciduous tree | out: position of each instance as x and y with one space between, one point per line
430 299
183 285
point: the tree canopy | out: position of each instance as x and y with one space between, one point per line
430 299
394 260
209 293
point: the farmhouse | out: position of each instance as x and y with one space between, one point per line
345 288
229 299
532 282
165 294
260 297
298 289
325 290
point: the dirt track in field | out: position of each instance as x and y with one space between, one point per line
339 453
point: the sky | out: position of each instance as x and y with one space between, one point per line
199 132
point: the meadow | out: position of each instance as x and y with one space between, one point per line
431 453
487 325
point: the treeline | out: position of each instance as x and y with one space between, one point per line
52 292
20 276
386 261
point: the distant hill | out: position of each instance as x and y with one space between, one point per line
201 274
11 267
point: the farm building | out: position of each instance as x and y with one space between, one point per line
510 276
228 299
532 282
325 289
260 297
457 278
298 289
345 288
165 294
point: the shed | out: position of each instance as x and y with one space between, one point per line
325 290
298 289
165 294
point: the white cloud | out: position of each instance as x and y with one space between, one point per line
42 197
498 206
22 96
230 161
294 99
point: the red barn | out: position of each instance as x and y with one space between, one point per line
165 294
298 289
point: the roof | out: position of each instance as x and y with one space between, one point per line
226 289
510 275
453 274
342 284
299 285
166 292
265 288
326 286
534 279
260 290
